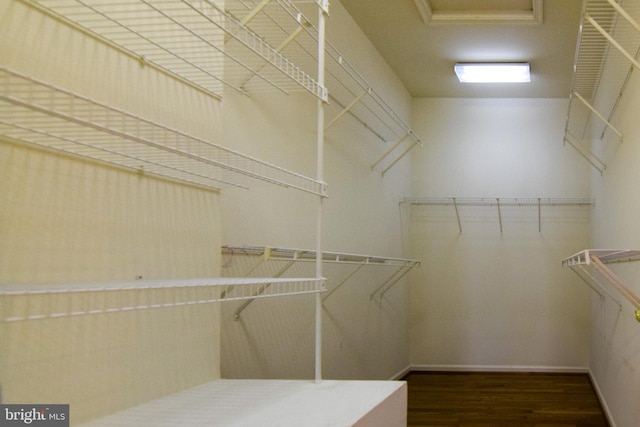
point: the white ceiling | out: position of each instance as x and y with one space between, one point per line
423 39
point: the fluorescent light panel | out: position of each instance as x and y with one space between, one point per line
486 72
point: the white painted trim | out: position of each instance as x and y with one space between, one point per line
429 16
500 368
400 374
603 401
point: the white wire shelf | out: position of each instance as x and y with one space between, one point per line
284 25
21 302
589 261
39 113
196 41
289 254
288 257
607 52
245 46
498 203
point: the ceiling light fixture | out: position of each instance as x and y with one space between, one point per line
487 72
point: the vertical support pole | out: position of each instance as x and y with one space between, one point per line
322 10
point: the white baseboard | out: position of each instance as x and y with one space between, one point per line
603 402
400 374
499 368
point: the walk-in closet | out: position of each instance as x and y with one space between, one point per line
271 212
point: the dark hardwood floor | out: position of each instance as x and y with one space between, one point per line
502 399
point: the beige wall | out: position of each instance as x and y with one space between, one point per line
70 220
486 299
363 338
615 334
65 220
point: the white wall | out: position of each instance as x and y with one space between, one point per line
363 338
66 220
615 334
485 299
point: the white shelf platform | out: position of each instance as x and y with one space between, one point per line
283 403
45 115
33 302
399 266
589 261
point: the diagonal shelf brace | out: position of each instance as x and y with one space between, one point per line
386 153
589 156
618 284
393 279
262 289
597 113
404 153
455 206
347 108
396 280
343 281
597 258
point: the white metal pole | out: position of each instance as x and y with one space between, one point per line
320 172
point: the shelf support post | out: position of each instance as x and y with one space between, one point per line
323 10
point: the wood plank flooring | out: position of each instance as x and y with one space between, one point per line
502 399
